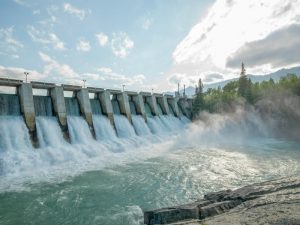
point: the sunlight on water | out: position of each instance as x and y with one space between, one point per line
163 162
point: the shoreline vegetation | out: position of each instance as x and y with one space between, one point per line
277 104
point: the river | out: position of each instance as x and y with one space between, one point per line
110 182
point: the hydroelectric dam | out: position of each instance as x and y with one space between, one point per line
85 113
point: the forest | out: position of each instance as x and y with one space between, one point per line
244 92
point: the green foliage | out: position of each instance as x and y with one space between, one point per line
217 99
198 103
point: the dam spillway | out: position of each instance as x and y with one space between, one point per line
87 114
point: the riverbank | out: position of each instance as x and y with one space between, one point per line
271 202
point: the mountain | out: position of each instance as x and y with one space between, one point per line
254 78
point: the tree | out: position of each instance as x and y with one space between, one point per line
198 103
243 82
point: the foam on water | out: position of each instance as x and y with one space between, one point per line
49 132
155 125
79 130
123 127
140 125
171 122
178 169
13 133
103 128
184 120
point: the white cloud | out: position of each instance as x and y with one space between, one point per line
182 79
147 23
8 43
52 67
20 2
229 25
80 13
18 73
102 39
279 49
121 44
45 38
36 12
83 46
107 74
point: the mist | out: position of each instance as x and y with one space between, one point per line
276 115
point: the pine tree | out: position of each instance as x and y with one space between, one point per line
198 103
243 82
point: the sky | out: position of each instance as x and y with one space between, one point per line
146 45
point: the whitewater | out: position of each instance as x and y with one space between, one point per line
128 167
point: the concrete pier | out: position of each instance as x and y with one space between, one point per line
27 110
173 102
56 92
139 104
182 103
124 105
185 106
106 105
85 105
59 106
151 100
162 101
27 105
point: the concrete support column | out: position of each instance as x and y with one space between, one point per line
27 105
58 101
173 103
164 104
139 103
151 100
183 105
85 106
106 105
190 106
124 105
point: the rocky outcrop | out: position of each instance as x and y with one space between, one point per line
271 202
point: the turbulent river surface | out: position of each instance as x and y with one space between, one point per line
111 180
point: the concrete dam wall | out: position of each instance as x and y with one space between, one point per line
66 101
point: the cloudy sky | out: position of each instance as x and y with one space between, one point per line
146 44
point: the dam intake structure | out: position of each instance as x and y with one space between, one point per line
81 115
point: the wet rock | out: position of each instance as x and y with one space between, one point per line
173 214
271 202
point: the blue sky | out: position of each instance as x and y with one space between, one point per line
134 38
146 44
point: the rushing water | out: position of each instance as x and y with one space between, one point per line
110 180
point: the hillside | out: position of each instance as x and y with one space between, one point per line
255 78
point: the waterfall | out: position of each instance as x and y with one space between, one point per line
156 125
171 109
103 128
140 126
42 105
171 122
184 120
160 111
148 110
180 110
49 132
132 108
72 107
96 106
13 133
165 123
9 105
123 127
116 107
79 130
